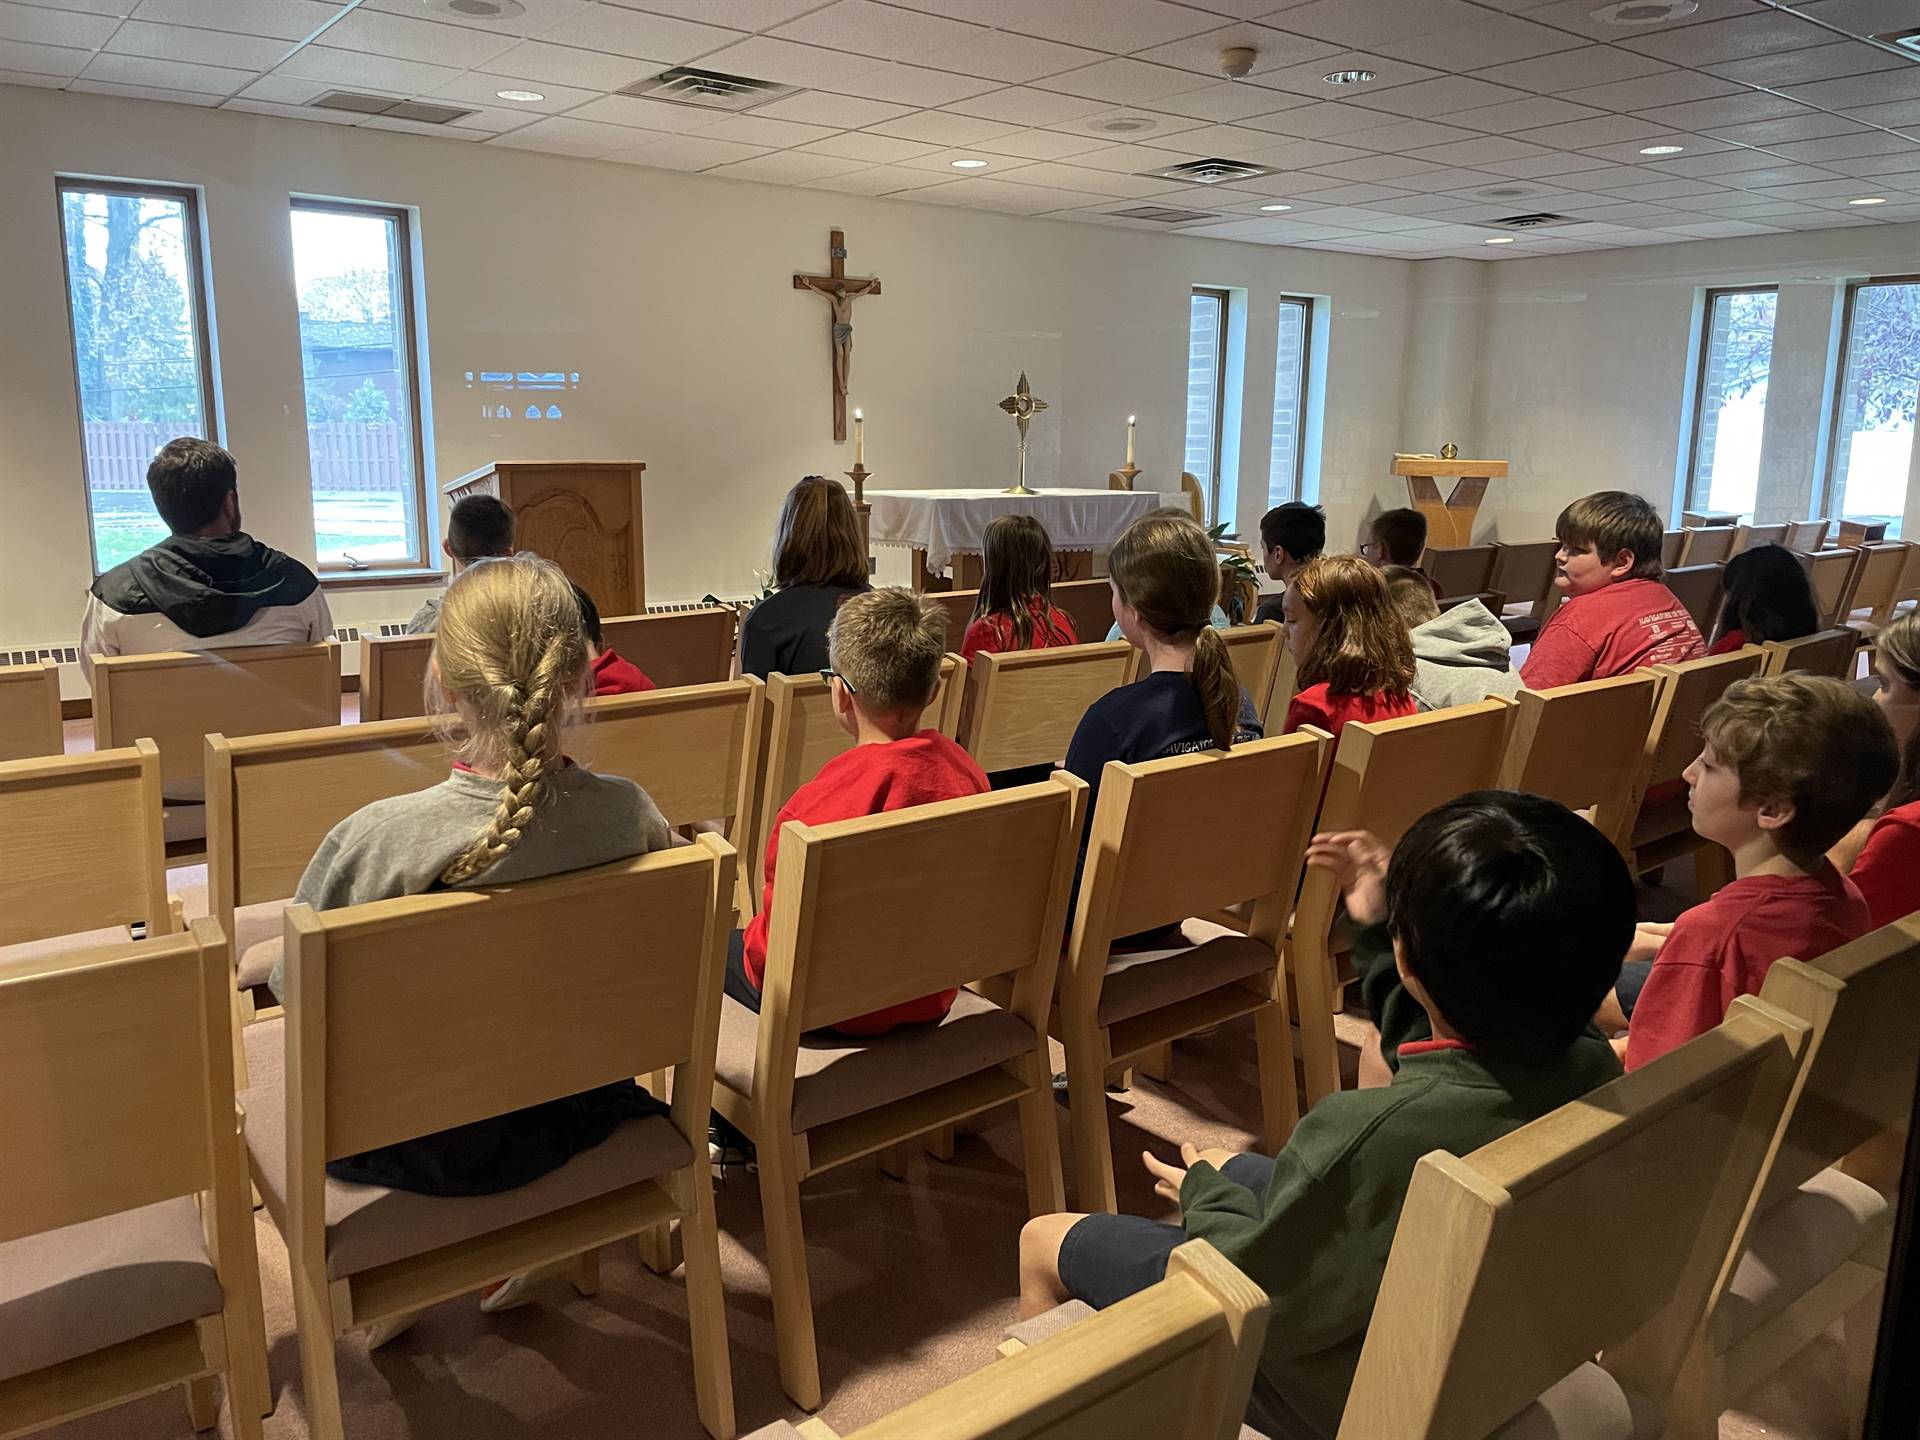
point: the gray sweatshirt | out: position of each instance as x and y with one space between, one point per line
426 619
399 846
1461 656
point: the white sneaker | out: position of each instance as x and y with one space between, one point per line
381 1331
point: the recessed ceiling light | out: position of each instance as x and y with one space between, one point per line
1276 207
525 97
1644 12
1499 240
968 164
1348 77
1662 149
1868 200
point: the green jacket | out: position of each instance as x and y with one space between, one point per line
1317 1241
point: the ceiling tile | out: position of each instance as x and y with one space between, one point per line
1577 16
1130 159
841 112
399 38
278 19
610 29
1359 193
566 135
1303 154
758 130
1800 67
1494 40
146 92
1087 180
1862 17
786 63
903 84
1901 114
1678 188
1904 163
879 180
42 59
1440 97
420 127
1848 147
1775 176
942 161
1376 21
1123 82
293 112
290 90
1375 168
32 25
1795 127
940 128
734 14
1483 150
1558 162
882 31
787 167
1440 180
1158 125
1122 25
1569 69
478 88
1000 55
205 47
1590 134
1221 101
1228 140
1310 78
1527 114
1404 135
1855 91
996 195
1675 87
537 15
1043 145
1843 188
165 74
565 65
1728 110
1760 33
683 152
494 120
1729 161
1023 105
1273 50
1317 119
862 145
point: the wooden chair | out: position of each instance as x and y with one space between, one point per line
957 606
1583 745
1709 545
1825 652
30 711
81 849
1751 536
1597 1228
351 1068
1196 496
1460 569
1524 573
1806 535
1026 704
1861 532
1876 586
1150 866
1174 1362
1813 1245
676 647
1255 651
863 919
1663 826
126 1236
393 676
1832 573
1385 776
1286 684
797 735
1697 587
1089 602
1673 544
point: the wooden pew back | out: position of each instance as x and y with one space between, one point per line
1709 545
676 647
1687 692
1388 773
1524 574
1876 585
1751 536
1831 573
1255 652
692 749
1460 569
1026 704
1806 535
1697 587
178 698
1825 652
1673 545
393 676
30 711
1583 745
80 844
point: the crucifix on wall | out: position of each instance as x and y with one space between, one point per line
841 293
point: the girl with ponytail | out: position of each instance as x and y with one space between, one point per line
1350 644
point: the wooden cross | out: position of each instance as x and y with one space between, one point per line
841 293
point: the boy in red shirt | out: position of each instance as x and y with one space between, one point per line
611 674
886 647
1618 617
1788 766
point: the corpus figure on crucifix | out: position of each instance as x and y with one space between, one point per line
840 293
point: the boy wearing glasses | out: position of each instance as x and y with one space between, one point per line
886 647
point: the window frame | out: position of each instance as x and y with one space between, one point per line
1830 489
1222 298
422 561
1691 490
198 301
1298 480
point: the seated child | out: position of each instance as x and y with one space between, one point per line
1460 654
510 662
1887 871
611 675
1618 616
1788 764
479 527
1352 655
1768 598
1483 992
1290 536
1218 616
1396 537
1015 610
886 647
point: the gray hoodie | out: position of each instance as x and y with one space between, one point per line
1461 656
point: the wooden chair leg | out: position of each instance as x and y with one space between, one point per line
1157 1064
319 1369
1860 1334
895 1160
656 1247
938 1143
249 1388
203 1403
1319 1055
586 1272
707 1310
1279 1093
787 1266
1040 1146
1093 1188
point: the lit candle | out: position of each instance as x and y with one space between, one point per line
1130 423
859 438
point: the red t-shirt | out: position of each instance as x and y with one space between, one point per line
1723 949
1317 705
614 676
1888 870
1625 627
869 780
1728 643
994 633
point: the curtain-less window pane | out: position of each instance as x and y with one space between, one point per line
356 348
1289 401
139 347
1206 371
1873 440
1731 405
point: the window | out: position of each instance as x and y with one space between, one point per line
1206 390
1874 412
352 269
1730 404
1290 401
140 351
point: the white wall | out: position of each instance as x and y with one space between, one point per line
671 295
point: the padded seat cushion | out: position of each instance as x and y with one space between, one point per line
836 1077
1795 1245
369 1225
80 1289
257 939
1141 980
1049 1322
1589 1404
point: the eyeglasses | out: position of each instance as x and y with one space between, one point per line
831 675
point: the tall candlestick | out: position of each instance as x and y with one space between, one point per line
1130 423
859 437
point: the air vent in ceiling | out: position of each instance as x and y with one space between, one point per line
1162 214
1209 172
1504 192
479 9
1541 221
417 110
1125 124
1905 41
707 89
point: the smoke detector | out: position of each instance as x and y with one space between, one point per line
478 9
1644 12
1236 61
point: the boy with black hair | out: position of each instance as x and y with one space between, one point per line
1618 617
1787 766
611 674
479 527
1396 537
1290 536
1483 994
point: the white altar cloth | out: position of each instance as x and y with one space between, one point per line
941 522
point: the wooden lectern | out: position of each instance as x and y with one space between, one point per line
582 515
1449 521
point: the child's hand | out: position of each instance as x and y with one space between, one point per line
1648 937
1357 860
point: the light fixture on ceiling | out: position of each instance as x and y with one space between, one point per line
1644 12
1661 149
1348 77
1499 240
968 164
1869 200
1236 61
1125 124
478 9
521 97
1271 208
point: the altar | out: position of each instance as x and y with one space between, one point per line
945 528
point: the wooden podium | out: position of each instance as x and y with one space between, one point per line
582 515
1449 521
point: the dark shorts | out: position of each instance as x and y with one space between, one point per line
738 985
1633 979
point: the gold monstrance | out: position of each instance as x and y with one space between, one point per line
1022 405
